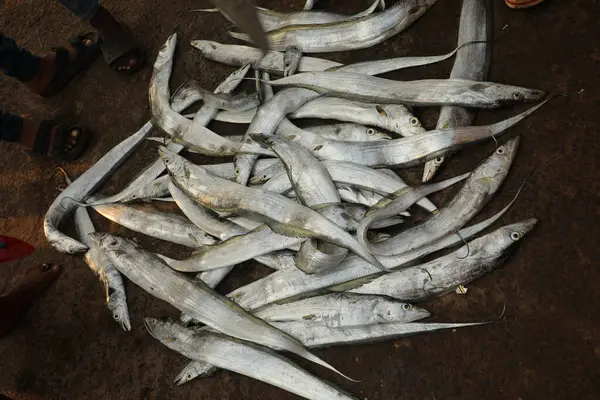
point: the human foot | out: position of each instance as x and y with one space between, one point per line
120 49
60 66
50 139
522 3
14 304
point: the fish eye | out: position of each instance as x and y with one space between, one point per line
517 95
515 236
166 161
237 171
414 121
439 160
406 306
500 150
370 131
116 316
189 376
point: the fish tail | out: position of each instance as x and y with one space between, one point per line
501 126
311 357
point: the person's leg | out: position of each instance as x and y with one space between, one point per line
14 304
111 31
16 61
11 126
37 73
14 128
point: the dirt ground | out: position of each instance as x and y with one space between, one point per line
546 346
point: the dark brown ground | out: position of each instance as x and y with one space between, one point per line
547 346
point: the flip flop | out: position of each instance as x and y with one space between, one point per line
118 44
67 69
60 149
522 3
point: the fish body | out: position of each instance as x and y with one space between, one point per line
324 336
235 250
272 62
348 35
194 297
321 336
413 150
244 358
446 273
392 117
285 286
66 202
421 93
400 201
472 62
164 226
185 96
395 118
348 131
479 188
313 186
272 20
355 175
109 276
192 135
266 120
281 214
343 310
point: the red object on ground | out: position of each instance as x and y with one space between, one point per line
12 249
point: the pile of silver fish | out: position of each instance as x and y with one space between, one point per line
323 206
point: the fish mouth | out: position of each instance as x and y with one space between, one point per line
163 153
123 320
512 145
536 95
527 225
428 172
150 323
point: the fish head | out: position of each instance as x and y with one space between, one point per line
117 304
390 311
165 54
400 119
193 370
374 134
291 59
431 168
205 46
355 211
266 141
503 238
168 331
491 173
107 241
173 162
507 95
